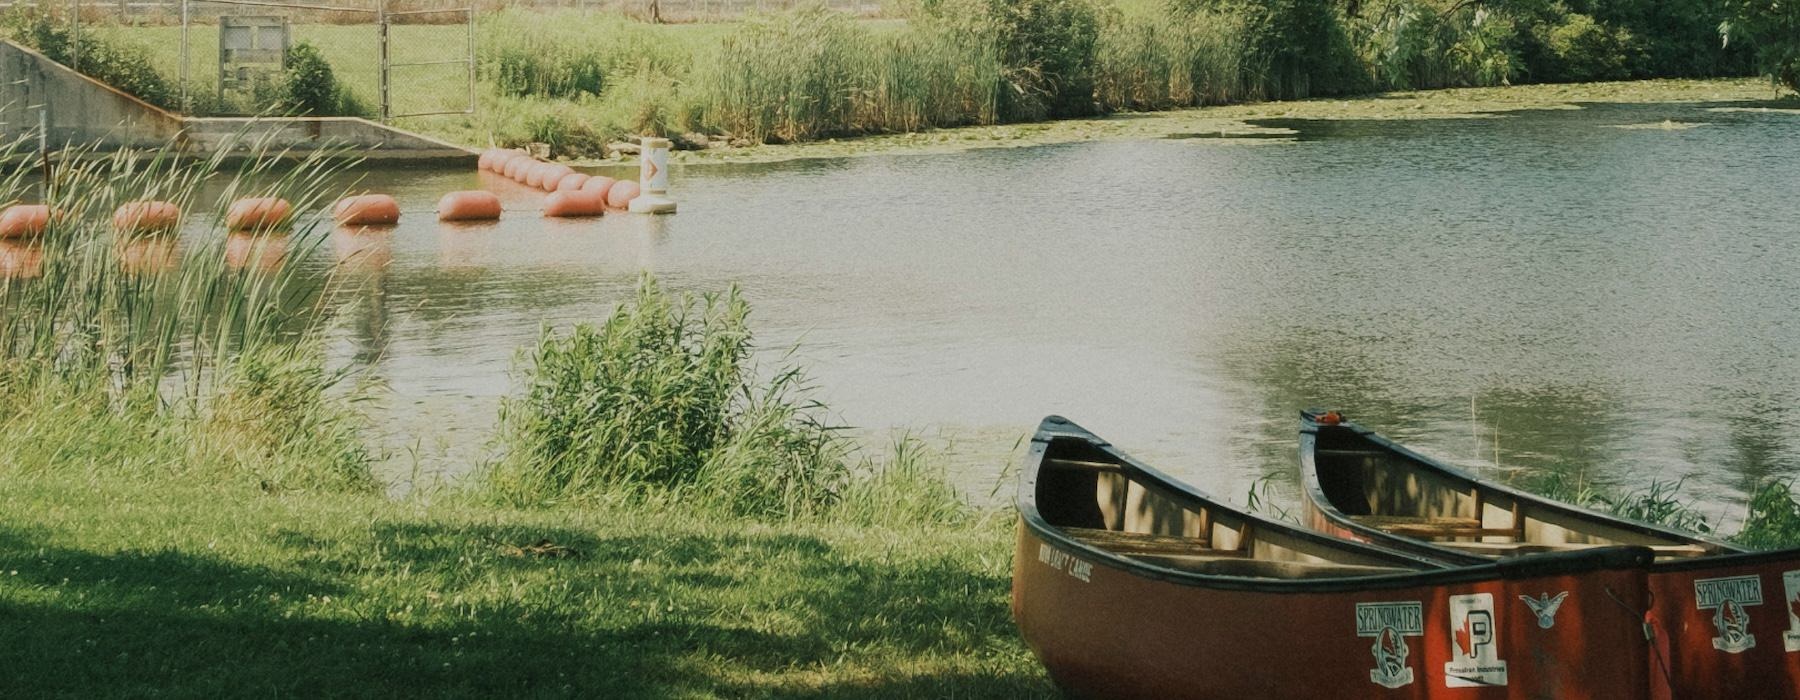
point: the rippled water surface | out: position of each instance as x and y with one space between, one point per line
1543 288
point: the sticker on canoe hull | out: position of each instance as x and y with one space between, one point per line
1790 584
1545 607
1474 657
1729 599
1390 624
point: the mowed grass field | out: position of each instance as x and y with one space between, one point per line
113 587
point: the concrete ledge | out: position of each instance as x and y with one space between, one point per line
80 110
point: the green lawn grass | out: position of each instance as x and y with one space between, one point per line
112 587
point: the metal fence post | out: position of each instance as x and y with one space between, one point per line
381 32
186 107
75 36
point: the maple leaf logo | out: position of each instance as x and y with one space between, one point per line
1465 638
1794 606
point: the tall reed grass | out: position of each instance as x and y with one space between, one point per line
217 362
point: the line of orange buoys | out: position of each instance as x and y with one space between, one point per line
258 227
571 193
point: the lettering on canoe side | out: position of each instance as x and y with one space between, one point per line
1390 624
1727 598
1474 657
1790 584
1058 559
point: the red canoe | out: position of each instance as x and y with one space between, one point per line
1713 633
1129 584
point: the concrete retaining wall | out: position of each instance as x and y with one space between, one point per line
77 109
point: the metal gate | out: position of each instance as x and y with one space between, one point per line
423 61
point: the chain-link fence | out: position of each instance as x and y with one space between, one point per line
382 59
251 57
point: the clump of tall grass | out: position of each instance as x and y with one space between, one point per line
1773 521
1659 503
663 397
784 77
208 361
1155 60
568 54
906 485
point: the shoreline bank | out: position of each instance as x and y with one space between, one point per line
1237 120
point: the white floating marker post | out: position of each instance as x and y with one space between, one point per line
653 178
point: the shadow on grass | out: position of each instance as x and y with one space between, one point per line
551 612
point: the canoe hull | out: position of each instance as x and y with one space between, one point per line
1109 632
1728 628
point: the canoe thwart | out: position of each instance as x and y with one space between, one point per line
1132 543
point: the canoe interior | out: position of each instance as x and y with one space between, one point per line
1094 498
1397 493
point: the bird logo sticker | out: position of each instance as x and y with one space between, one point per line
1729 599
1390 624
1545 607
1474 657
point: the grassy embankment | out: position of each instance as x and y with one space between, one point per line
189 507
578 80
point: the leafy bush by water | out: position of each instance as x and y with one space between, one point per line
1774 518
662 397
311 87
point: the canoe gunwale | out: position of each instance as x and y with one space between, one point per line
1315 494
1430 572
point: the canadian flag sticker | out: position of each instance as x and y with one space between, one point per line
1474 657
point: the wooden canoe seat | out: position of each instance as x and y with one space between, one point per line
1138 543
1080 465
1512 549
1262 568
1412 526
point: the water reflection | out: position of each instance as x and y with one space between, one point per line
362 248
21 259
147 254
256 251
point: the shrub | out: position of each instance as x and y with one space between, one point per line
1047 49
1291 48
123 65
1413 45
662 398
1579 49
1160 60
309 86
1774 518
1772 29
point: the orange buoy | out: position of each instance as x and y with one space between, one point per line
563 203
146 217
514 165
469 205
24 221
572 181
367 210
621 194
487 159
536 176
600 183
554 175
259 215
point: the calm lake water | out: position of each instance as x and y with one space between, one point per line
1544 290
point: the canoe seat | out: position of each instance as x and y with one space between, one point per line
1263 568
1513 549
1137 543
1412 526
